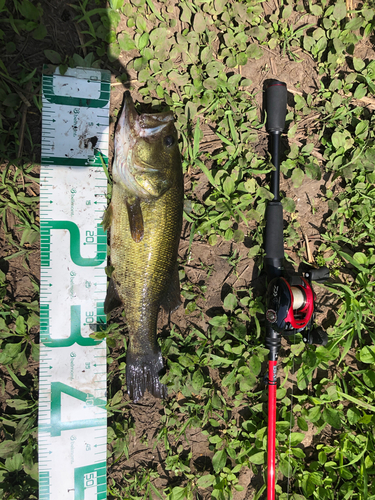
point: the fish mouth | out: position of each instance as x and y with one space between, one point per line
145 125
132 127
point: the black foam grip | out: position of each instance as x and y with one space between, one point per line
276 97
274 239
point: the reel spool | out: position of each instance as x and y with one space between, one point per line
290 304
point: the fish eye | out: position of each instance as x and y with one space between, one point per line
169 140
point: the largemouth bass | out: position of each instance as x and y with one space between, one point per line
145 219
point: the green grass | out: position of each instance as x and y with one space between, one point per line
191 58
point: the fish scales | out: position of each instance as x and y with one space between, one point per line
145 233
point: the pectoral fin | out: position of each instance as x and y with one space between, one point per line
153 182
112 299
135 219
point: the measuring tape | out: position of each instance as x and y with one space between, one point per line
72 433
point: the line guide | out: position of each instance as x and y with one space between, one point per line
72 433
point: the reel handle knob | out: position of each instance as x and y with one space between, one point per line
316 336
319 275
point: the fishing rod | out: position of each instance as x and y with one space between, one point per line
290 300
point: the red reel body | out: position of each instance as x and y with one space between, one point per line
290 304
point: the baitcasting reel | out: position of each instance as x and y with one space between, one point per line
290 305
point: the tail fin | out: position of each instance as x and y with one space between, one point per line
142 372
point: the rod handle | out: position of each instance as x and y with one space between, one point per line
276 97
274 239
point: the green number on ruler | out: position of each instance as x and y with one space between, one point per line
57 388
75 243
90 476
75 331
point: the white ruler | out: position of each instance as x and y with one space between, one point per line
73 187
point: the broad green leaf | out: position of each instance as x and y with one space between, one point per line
210 84
255 365
197 381
308 485
158 36
254 251
199 23
143 41
355 23
297 177
358 64
297 452
116 4
228 186
238 236
113 51
178 79
14 463
338 139
53 56
332 417
219 460
367 354
296 437
353 415
206 57
10 352
219 6
231 62
241 59
288 204
20 325
302 424
361 258
258 458
360 91
141 24
29 11
339 11
219 321
206 481
125 42
313 170
254 51
315 9
285 467
40 32
230 302
264 193
362 127
186 13
140 63
336 100
9 448
178 493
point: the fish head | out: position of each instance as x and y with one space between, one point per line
147 157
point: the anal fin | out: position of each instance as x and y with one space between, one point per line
112 299
172 298
135 219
